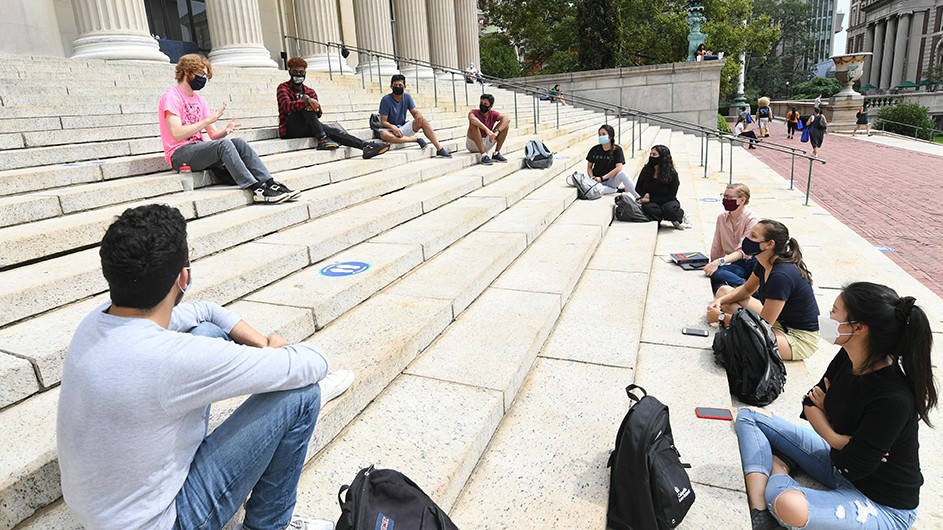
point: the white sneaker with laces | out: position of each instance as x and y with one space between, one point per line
301 523
686 222
677 225
334 384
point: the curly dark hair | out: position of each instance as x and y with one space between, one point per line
142 254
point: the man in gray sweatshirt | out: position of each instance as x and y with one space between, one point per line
139 377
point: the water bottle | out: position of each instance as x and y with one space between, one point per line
186 178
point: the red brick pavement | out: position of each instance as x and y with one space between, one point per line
890 196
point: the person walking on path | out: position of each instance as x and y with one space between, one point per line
395 128
604 162
657 186
792 121
487 129
299 115
816 125
729 265
862 119
865 413
764 115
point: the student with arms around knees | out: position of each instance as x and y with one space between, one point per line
729 265
657 185
141 372
299 115
783 291
487 129
865 412
184 115
604 163
395 128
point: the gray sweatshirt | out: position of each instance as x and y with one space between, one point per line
132 404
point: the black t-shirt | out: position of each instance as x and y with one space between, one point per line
604 161
787 284
878 411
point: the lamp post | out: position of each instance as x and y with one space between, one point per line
739 100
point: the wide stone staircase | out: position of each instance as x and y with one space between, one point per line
492 336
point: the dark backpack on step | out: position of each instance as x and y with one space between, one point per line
649 487
748 351
386 499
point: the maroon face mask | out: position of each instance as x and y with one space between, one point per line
730 204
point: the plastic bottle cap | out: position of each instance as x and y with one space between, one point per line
184 168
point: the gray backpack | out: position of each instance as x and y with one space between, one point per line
587 189
537 155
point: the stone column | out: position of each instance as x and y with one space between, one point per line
442 42
348 27
318 20
466 31
878 53
412 37
868 47
913 58
900 48
374 32
114 29
236 33
887 62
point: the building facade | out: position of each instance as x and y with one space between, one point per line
903 35
252 33
823 31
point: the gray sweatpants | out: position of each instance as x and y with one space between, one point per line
243 163
611 185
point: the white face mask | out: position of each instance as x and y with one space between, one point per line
184 292
828 329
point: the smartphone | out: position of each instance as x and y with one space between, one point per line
695 332
712 413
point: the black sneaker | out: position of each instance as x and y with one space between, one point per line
372 149
498 157
763 520
444 153
272 193
485 160
325 144
281 186
422 143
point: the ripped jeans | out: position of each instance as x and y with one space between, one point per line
840 506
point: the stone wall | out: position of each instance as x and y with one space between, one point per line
684 91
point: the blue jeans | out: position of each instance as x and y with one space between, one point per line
840 506
260 449
733 274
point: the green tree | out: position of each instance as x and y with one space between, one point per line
733 28
599 36
498 57
912 120
545 30
817 86
655 31
787 65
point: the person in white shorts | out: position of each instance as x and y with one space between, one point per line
486 129
394 127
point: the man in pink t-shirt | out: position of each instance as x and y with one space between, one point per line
184 115
486 129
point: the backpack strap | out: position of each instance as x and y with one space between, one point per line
633 397
340 493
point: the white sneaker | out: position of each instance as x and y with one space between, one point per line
677 225
301 523
333 385
686 222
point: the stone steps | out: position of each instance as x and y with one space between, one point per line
223 284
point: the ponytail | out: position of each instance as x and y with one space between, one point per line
897 327
787 248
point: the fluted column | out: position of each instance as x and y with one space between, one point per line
318 20
913 58
412 37
466 31
236 34
900 47
890 34
113 29
374 32
443 48
868 47
875 76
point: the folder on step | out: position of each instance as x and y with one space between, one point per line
690 260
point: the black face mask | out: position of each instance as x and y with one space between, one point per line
398 90
652 162
484 108
198 82
298 79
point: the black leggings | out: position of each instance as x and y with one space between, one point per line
305 124
668 211
790 128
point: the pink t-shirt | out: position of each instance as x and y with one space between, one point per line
728 235
489 119
190 110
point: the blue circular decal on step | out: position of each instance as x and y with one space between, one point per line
710 199
344 268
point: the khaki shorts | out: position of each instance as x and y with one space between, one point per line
803 343
473 147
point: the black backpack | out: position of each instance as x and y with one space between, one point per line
385 498
649 487
748 351
626 209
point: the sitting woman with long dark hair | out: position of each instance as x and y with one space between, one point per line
657 186
783 287
865 411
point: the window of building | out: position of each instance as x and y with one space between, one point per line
182 23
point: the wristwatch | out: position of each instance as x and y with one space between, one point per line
720 318
721 262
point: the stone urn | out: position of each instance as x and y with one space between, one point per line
848 69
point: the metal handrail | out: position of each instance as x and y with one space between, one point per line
706 133
915 127
774 147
